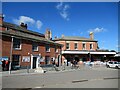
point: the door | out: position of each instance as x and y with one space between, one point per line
34 62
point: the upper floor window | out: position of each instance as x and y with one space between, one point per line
16 44
56 49
47 48
91 46
76 46
7 28
34 47
83 46
67 46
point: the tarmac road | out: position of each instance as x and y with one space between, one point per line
101 77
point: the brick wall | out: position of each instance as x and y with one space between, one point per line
26 47
79 45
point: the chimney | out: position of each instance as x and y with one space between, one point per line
23 25
26 26
48 34
91 35
55 37
62 35
1 18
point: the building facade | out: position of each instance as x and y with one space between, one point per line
82 49
27 48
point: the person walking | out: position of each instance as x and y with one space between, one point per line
3 65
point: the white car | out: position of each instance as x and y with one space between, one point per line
113 64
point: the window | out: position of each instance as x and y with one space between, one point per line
16 44
75 46
15 60
91 46
83 46
47 49
7 28
56 50
47 60
34 47
67 45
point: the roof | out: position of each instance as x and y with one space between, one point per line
16 27
74 38
25 34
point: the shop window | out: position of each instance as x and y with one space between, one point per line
15 60
47 60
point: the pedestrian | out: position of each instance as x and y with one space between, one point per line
7 64
3 65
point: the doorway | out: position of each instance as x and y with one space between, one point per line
34 62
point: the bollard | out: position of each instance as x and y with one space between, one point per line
27 69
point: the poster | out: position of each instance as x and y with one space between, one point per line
26 59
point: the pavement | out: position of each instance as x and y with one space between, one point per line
50 70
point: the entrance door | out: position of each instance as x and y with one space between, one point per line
34 62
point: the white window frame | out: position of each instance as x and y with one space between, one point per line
34 45
19 46
77 46
66 46
82 46
92 46
56 49
46 49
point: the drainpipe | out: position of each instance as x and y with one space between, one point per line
11 55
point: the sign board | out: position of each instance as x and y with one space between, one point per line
26 59
3 58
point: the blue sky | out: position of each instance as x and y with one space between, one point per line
68 18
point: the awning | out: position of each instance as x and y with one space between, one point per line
86 52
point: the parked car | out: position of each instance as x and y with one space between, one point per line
113 64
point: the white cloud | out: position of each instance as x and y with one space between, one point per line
63 10
24 19
39 24
29 21
59 6
97 30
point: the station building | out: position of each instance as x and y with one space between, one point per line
82 49
24 47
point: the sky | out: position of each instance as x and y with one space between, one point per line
69 19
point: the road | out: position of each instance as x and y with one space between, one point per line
101 77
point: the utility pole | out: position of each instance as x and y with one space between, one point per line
11 55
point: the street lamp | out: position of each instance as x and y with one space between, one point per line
11 55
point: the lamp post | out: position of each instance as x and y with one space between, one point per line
11 55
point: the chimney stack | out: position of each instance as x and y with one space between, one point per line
23 25
48 34
62 35
91 35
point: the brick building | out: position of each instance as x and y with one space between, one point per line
82 49
27 48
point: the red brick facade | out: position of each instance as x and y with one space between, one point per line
26 47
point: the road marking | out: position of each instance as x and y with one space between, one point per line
76 81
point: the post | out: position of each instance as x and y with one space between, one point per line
27 68
11 56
